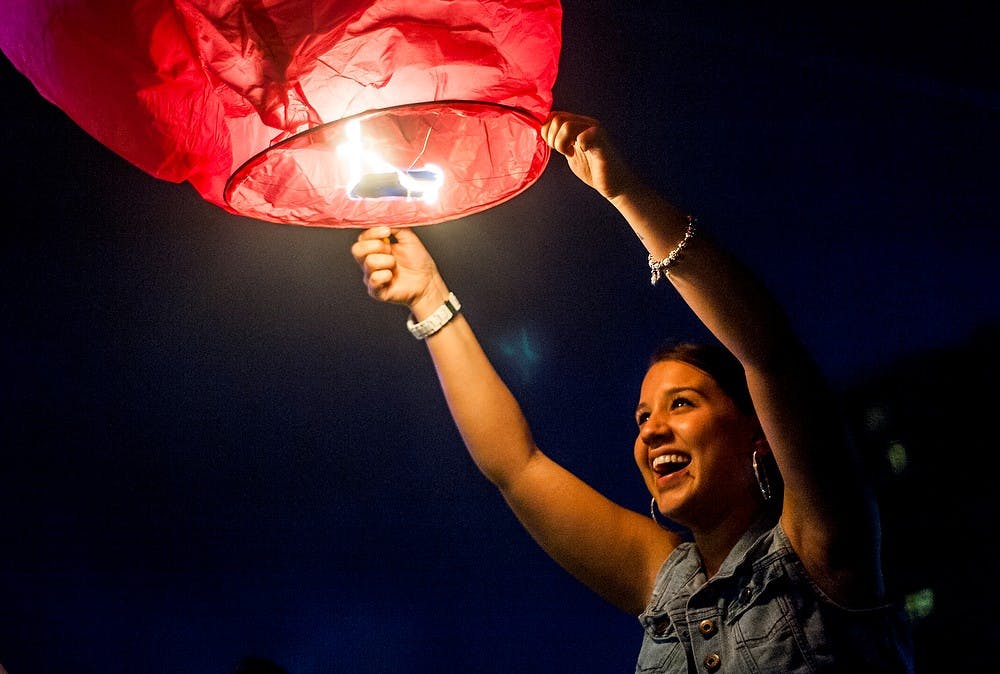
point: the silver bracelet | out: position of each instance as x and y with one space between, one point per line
437 320
659 268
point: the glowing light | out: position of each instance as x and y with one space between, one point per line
897 455
371 177
523 350
920 604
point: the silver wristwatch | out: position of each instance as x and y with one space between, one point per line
436 320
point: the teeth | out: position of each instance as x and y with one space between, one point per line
669 458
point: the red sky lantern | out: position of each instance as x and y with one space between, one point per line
328 113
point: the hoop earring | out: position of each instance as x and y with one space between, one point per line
652 513
763 483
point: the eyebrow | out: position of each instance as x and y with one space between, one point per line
670 392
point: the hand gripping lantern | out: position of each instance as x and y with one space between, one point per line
327 113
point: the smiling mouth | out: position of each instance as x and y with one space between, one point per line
666 464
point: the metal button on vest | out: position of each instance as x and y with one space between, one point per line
712 662
707 628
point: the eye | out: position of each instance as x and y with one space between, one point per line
680 401
641 418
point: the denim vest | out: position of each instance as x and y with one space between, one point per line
762 613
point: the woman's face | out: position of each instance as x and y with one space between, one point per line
694 446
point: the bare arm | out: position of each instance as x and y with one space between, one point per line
611 549
827 511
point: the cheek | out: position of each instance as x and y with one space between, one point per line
729 446
715 431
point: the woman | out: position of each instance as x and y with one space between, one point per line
775 577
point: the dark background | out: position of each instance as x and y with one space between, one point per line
215 444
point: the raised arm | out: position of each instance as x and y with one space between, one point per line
827 513
613 550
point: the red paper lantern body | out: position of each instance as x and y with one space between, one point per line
339 114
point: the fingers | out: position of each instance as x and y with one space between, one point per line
379 270
566 132
375 239
591 138
379 276
372 240
362 249
379 232
405 236
378 279
395 264
373 253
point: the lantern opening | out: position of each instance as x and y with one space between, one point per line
408 165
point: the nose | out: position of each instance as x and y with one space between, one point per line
655 429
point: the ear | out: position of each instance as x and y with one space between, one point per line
760 444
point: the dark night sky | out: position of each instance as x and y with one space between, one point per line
216 444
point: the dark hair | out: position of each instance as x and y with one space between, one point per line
715 361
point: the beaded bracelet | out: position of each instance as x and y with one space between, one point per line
662 267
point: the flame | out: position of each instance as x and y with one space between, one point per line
371 177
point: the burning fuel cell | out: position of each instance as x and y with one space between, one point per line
371 177
420 184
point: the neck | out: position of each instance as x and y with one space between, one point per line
716 542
